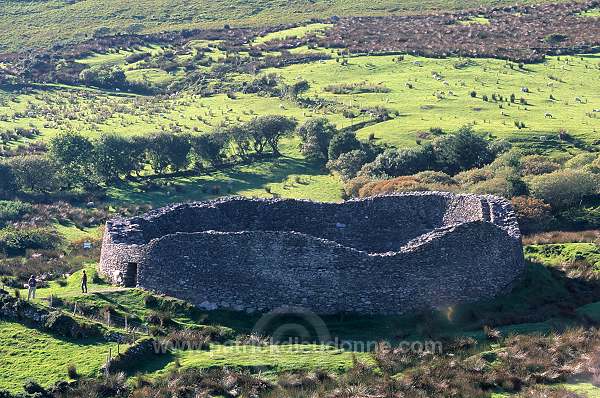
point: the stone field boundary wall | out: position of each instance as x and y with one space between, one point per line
381 255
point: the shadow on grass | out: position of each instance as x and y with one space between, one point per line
544 299
153 363
231 181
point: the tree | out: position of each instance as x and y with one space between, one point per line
461 151
348 164
34 173
401 162
111 158
316 134
8 183
168 150
341 143
71 149
240 139
74 155
209 148
104 76
268 131
134 155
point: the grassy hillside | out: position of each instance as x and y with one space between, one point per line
559 93
31 354
39 23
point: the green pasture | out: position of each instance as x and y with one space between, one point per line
297 32
593 13
442 99
554 254
268 360
540 287
53 109
28 353
475 20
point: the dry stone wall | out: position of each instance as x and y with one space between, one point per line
388 254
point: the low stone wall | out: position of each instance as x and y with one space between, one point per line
390 254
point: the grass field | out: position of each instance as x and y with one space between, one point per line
562 93
37 24
567 252
270 360
297 32
30 354
441 94
54 109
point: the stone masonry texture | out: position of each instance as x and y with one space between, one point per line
381 255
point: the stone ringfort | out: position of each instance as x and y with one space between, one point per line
381 255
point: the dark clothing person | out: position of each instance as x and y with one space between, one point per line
31 284
84 288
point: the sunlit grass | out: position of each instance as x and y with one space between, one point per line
28 353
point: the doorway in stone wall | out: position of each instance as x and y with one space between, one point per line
130 279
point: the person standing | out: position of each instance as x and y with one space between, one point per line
31 284
84 278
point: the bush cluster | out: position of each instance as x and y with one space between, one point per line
15 241
546 192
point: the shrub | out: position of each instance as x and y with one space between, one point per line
15 241
533 214
67 326
537 165
580 217
400 162
353 186
104 76
342 143
435 177
563 188
498 186
348 164
159 318
581 160
398 184
8 182
594 167
72 372
150 301
11 211
474 176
